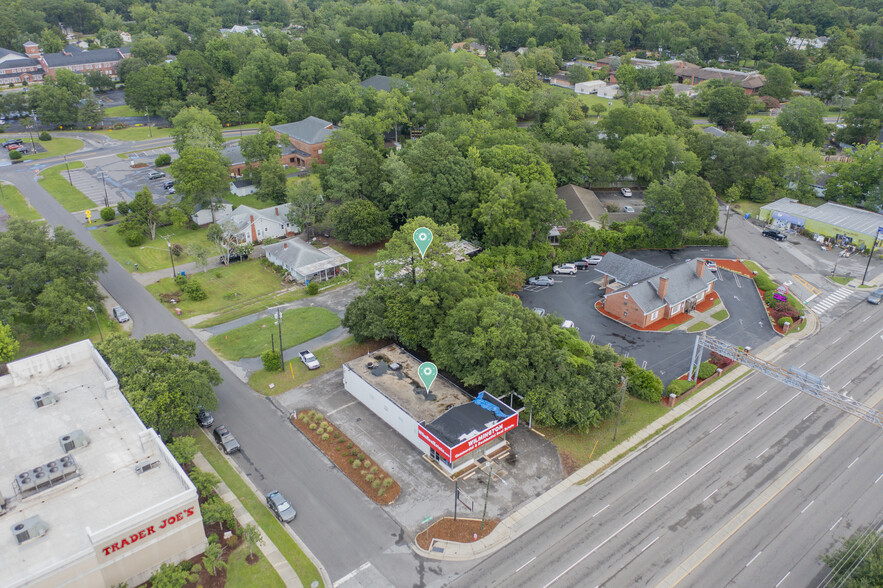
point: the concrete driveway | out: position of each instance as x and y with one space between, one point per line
666 354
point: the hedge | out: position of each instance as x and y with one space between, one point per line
678 387
785 320
107 214
764 283
706 370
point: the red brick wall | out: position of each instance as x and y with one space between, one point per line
618 305
313 150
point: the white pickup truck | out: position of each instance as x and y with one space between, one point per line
309 360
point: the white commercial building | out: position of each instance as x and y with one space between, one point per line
453 430
90 497
590 87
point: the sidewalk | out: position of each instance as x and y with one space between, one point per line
539 509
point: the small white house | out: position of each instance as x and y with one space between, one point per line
305 263
203 216
610 92
250 225
590 87
242 188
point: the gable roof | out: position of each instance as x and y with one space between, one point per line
79 57
241 218
380 83
7 54
714 132
583 204
310 130
683 283
625 270
304 258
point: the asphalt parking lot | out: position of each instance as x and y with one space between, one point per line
615 198
666 354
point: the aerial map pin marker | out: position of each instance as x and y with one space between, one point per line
427 372
422 238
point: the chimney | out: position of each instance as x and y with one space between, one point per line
662 287
700 267
277 210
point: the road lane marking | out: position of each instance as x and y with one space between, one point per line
852 464
524 565
762 393
878 479
352 574
715 429
809 415
837 339
710 495
782 580
663 465
850 353
761 453
753 558
835 523
805 508
649 544
600 511
670 492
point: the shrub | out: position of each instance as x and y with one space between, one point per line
186 565
367 464
233 541
312 426
387 483
162 159
134 238
195 291
313 288
785 320
177 249
706 370
369 478
709 240
375 484
325 437
183 449
719 360
45 136
123 207
363 473
213 538
14 155
373 469
272 362
196 568
205 482
645 385
337 436
304 417
349 445
678 387
764 282
180 280
107 214
381 492
357 464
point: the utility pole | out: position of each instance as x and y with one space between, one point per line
490 473
69 173
281 348
104 183
871 254
456 496
727 220
624 384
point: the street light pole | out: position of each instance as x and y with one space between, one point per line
104 183
240 123
149 129
281 348
727 221
69 171
97 323
871 254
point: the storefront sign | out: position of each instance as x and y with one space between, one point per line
149 530
485 436
431 440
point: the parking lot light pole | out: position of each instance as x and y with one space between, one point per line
97 323
727 220
240 123
871 254
278 315
69 172
104 183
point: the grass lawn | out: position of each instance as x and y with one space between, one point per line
272 528
138 133
242 575
31 345
153 255
298 325
667 328
290 181
331 358
250 200
840 279
743 206
232 286
57 146
232 312
583 447
588 99
700 326
15 204
60 187
121 111
720 315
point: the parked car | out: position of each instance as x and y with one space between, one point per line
309 360
9 142
628 209
593 260
711 265
168 184
626 192
155 175
539 311
541 281
234 257
204 418
170 189
875 296
280 507
774 234
226 440
120 314
581 264
565 268
567 324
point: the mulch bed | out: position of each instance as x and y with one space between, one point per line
735 266
461 531
369 477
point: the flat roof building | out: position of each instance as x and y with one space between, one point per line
90 497
845 224
451 428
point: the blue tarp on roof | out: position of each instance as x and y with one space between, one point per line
489 406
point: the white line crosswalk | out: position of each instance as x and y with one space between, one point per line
826 303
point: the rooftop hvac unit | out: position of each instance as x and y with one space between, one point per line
3 509
146 465
30 528
25 481
68 464
395 366
73 440
45 399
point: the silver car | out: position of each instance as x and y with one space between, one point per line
280 507
120 314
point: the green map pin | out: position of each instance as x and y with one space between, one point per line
422 238
427 372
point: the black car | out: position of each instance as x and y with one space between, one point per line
582 265
774 234
204 418
234 257
13 142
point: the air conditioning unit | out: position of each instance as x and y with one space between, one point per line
25 482
146 465
68 464
73 440
45 399
30 528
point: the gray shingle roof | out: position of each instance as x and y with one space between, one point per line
80 57
9 53
26 62
381 83
625 270
582 203
683 283
838 215
310 130
305 258
714 132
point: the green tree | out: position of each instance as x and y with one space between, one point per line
99 81
146 216
795 168
779 82
830 78
205 482
8 344
305 206
578 73
859 182
56 100
865 119
803 120
197 127
149 49
858 563
183 449
169 576
360 222
211 559
109 38
51 41
681 204
253 537
763 189
201 177
91 112
229 104
163 385
148 88
727 105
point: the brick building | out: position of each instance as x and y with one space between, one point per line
16 68
307 138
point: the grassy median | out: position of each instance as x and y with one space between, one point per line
15 204
61 189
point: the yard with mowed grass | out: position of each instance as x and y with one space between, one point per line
233 286
152 255
242 575
331 358
271 527
700 326
720 315
298 325
139 133
587 99
15 204
57 146
235 311
38 344
580 448
61 189
121 111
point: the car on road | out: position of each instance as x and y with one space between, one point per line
226 440
876 296
280 507
774 234
565 268
309 360
204 418
155 175
628 209
541 281
711 265
626 192
539 311
593 260
120 314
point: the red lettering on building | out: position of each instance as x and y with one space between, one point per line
477 441
149 530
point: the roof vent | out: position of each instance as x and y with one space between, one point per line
30 528
146 465
395 366
45 399
73 440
